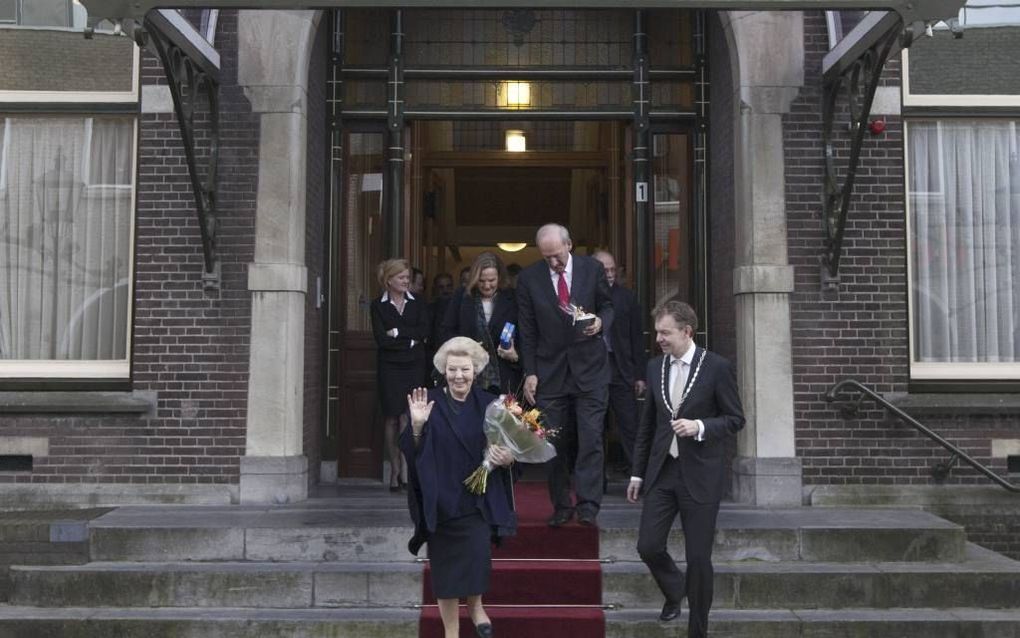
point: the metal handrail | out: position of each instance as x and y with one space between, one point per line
941 470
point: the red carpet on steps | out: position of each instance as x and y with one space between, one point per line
521 591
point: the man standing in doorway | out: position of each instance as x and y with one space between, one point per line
442 292
565 365
692 408
625 343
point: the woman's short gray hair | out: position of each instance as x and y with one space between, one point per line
461 347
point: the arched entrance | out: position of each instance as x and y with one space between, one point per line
766 70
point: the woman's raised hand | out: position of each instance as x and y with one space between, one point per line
420 407
499 455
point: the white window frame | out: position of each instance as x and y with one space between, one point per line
941 192
94 369
86 169
932 371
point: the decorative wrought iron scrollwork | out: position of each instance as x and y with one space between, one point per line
858 83
191 88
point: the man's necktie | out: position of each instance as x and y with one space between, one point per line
561 290
675 393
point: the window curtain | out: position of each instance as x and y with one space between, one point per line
964 189
65 237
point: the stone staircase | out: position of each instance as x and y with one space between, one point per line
339 567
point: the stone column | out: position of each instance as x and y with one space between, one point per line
273 52
767 52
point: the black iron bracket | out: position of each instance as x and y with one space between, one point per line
194 83
190 86
940 471
857 84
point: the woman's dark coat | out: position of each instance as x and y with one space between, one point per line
461 320
423 471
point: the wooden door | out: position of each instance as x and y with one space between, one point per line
355 413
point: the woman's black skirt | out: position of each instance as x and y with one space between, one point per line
396 380
460 557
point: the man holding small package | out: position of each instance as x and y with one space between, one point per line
564 304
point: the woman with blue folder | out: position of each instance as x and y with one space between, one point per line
485 310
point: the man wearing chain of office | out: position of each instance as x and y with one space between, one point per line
693 406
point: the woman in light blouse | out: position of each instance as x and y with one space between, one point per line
400 324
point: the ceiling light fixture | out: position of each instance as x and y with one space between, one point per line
511 247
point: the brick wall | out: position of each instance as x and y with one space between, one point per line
52 60
862 331
976 64
190 346
316 257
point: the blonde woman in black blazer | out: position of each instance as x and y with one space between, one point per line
400 324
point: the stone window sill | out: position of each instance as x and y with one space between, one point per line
66 402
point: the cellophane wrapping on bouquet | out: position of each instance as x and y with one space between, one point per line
521 431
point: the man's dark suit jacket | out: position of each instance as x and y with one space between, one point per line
626 334
461 320
551 346
715 400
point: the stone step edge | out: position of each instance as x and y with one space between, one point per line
919 614
981 566
607 527
229 614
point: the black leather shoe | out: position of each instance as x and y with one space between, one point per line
670 611
484 630
561 518
587 519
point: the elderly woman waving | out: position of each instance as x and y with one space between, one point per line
444 445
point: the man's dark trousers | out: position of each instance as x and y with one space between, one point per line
663 501
582 433
625 408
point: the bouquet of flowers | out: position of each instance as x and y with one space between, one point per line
508 424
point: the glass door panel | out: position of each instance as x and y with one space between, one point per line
362 224
672 221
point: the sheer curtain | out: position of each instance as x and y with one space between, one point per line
65 237
964 189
